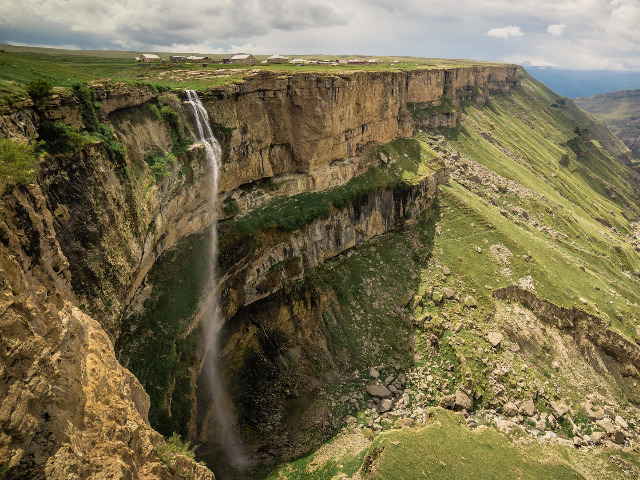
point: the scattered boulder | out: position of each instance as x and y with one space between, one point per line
448 292
558 409
469 301
494 338
463 401
445 270
593 413
597 437
373 372
379 391
607 426
509 409
448 401
618 437
528 408
621 422
384 405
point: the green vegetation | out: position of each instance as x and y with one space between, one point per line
159 164
446 449
174 446
38 89
409 162
154 345
421 111
18 163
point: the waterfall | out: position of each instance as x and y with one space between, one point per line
209 308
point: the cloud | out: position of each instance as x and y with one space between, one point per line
505 32
556 30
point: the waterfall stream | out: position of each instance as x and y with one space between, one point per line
209 309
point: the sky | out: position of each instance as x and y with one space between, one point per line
576 34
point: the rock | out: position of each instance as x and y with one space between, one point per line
593 413
437 297
618 437
504 426
448 292
469 301
528 408
607 426
373 372
509 409
541 425
379 391
578 442
479 249
462 400
384 405
448 401
558 409
445 270
494 338
621 422
597 437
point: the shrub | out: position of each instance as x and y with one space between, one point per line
38 89
17 162
61 138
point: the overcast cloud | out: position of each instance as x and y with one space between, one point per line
585 34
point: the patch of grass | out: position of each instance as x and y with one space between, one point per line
446 449
421 111
153 345
18 163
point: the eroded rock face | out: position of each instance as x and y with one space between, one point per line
67 407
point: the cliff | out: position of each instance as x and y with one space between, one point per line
79 244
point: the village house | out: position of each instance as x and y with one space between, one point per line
149 58
243 58
277 58
177 59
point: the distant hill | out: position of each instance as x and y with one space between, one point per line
620 111
585 83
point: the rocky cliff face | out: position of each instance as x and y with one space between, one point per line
78 247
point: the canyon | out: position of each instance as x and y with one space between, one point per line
332 263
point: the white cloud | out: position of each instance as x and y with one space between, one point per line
505 32
556 30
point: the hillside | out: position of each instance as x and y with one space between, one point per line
439 259
620 111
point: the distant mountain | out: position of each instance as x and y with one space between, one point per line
585 83
620 111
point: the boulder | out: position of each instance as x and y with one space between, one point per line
448 292
607 426
379 391
528 408
593 413
437 297
618 437
558 409
494 338
463 401
621 422
448 401
446 270
373 372
509 409
469 301
384 405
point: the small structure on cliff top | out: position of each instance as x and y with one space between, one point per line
149 58
243 58
277 58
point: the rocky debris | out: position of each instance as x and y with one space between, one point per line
510 409
593 413
384 405
494 338
448 292
437 297
469 301
373 372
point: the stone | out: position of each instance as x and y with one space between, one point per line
607 426
448 401
379 391
437 297
469 301
373 372
618 437
448 292
528 408
494 338
558 408
463 400
509 409
597 437
593 413
384 405
445 270
621 422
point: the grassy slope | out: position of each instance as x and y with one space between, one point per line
620 111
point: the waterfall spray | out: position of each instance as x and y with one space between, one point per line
210 314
